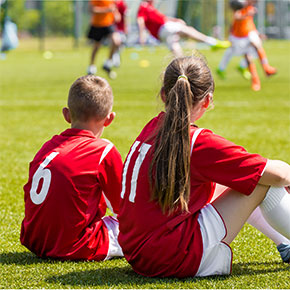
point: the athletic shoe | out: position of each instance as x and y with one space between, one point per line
244 72
221 44
256 85
284 251
221 73
92 70
269 70
112 74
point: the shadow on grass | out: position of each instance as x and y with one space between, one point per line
126 277
106 275
22 258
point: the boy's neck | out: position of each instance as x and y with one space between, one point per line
95 127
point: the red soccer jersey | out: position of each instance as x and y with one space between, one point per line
152 17
157 244
122 8
69 180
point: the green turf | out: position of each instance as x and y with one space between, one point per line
33 91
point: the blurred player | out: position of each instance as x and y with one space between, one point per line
170 30
121 26
104 16
246 41
73 179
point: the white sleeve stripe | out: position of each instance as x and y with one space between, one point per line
106 151
264 168
193 139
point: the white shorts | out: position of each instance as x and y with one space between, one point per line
112 225
217 255
243 45
169 31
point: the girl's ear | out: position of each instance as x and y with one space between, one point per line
207 100
66 114
109 119
162 94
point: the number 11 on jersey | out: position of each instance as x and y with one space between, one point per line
143 150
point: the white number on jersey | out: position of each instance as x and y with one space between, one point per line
45 174
144 148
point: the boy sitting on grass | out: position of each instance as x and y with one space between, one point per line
73 179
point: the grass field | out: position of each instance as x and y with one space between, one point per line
33 91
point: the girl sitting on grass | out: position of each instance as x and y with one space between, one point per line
169 225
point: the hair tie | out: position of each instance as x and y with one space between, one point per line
182 77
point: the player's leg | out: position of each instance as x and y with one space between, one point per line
276 210
191 33
257 43
243 69
115 42
258 221
256 84
92 69
220 222
274 203
117 54
235 208
228 54
169 34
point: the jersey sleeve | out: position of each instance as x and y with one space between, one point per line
142 12
110 176
219 160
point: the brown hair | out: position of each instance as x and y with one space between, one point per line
170 166
90 97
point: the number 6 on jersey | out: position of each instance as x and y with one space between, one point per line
45 173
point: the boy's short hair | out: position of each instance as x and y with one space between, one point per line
90 97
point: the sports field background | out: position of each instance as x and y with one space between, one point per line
33 91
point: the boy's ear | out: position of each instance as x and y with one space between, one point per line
109 119
66 114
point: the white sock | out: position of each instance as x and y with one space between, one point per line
276 210
210 40
258 221
116 58
228 54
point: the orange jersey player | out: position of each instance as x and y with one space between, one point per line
245 38
103 26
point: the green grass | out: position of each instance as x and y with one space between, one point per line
33 91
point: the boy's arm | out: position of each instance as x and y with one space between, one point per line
110 178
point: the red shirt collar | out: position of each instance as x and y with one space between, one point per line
78 132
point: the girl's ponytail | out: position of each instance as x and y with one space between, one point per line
187 81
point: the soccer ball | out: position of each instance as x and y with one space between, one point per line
237 4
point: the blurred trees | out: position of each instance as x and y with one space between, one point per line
57 16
